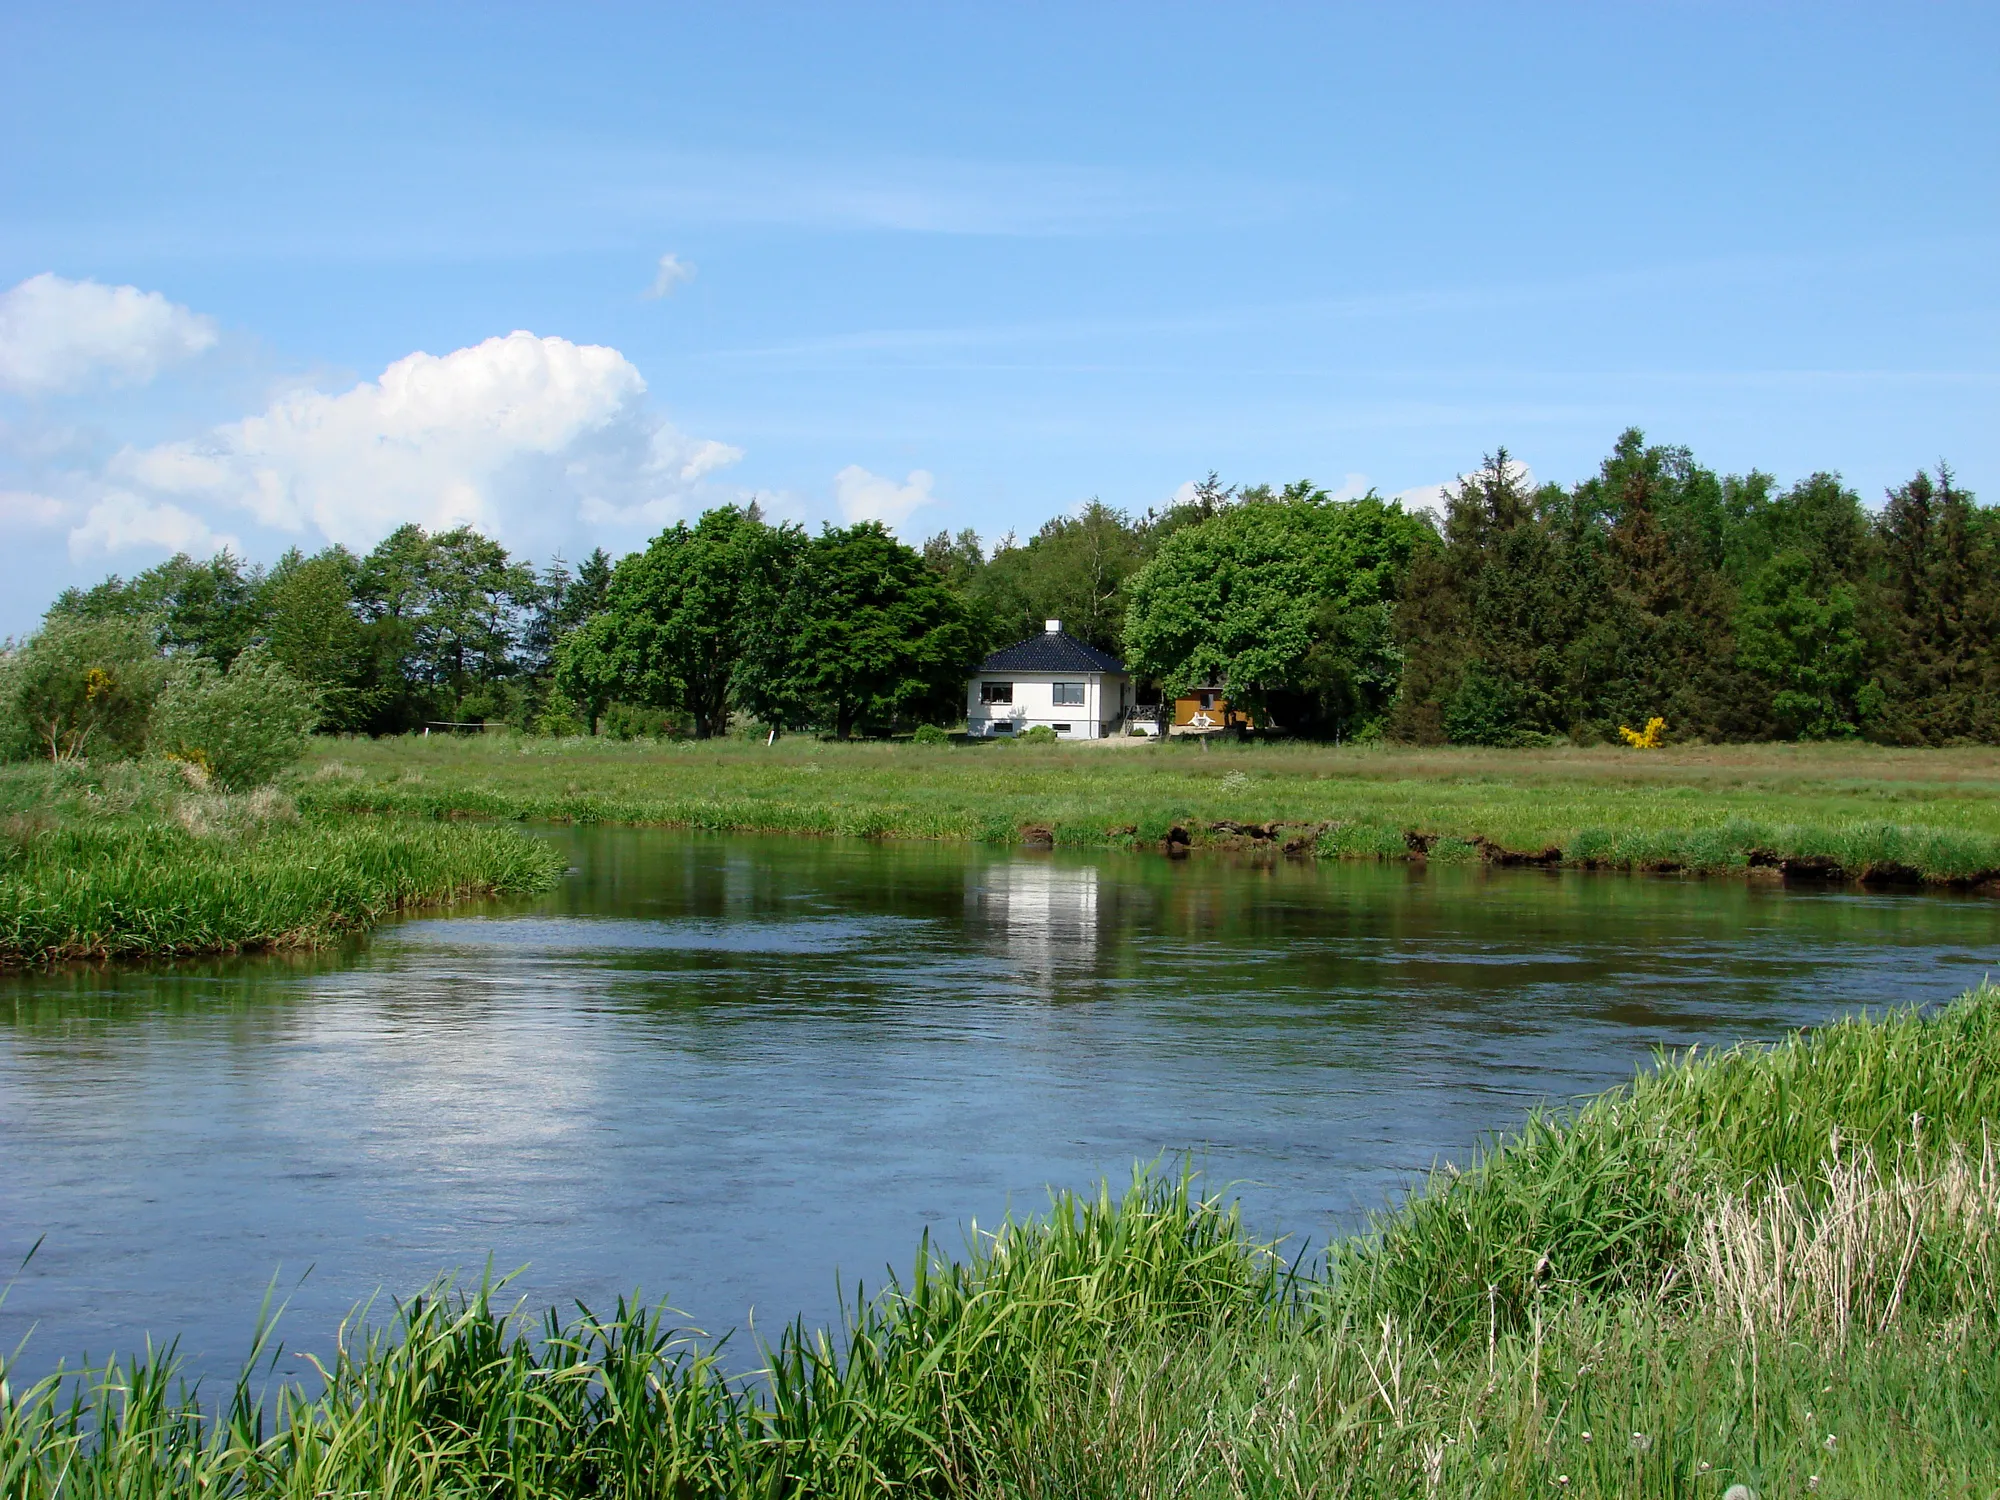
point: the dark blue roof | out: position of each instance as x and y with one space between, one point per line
1057 651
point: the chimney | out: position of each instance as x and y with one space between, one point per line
1053 627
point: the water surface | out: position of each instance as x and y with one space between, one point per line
721 1071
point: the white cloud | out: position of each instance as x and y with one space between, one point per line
24 510
520 436
673 271
122 521
863 496
60 335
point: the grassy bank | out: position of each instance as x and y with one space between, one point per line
1828 811
1774 1268
133 862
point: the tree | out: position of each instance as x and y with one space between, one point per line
209 609
242 726
444 613
1248 596
1075 569
1935 616
1485 621
81 688
862 631
677 617
314 633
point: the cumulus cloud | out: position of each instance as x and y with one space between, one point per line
122 521
863 496
672 272
520 436
58 335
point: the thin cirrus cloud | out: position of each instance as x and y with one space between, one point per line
59 336
671 273
524 437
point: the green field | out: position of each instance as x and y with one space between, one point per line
1774 1268
1852 810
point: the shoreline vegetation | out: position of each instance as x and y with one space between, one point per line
142 861
1822 812
151 859
1768 1267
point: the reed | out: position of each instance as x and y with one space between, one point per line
1806 1304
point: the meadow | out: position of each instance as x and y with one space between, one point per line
1766 1271
138 861
1833 810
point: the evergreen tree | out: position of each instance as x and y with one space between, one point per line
1936 617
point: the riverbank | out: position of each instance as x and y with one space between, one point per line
1770 1267
133 861
1768 811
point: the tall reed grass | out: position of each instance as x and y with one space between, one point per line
1787 1284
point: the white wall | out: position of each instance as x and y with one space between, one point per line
1034 703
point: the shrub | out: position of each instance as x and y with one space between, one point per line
634 721
559 718
930 734
243 727
1041 734
80 688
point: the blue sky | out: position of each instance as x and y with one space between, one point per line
959 266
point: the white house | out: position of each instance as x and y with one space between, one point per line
1053 679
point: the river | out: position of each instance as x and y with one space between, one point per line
725 1072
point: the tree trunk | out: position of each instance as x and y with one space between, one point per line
843 721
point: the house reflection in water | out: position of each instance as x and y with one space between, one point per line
1042 913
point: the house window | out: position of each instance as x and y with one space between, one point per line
1208 700
996 692
1062 728
1070 693
1002 726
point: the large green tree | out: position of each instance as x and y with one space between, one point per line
677 618
862 632
1285 598
315 634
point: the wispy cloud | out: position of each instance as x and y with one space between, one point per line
671 273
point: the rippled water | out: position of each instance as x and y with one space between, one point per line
722 1070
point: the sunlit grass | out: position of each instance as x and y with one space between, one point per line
1849 811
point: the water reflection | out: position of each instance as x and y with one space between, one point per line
719 1069
1042 914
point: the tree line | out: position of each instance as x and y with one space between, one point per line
1731 607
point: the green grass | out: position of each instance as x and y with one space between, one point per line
1769 1267
131 862
1854 811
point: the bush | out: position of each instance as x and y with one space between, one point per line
930 734
559 718
243 727
633 721
1041 734
80 688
